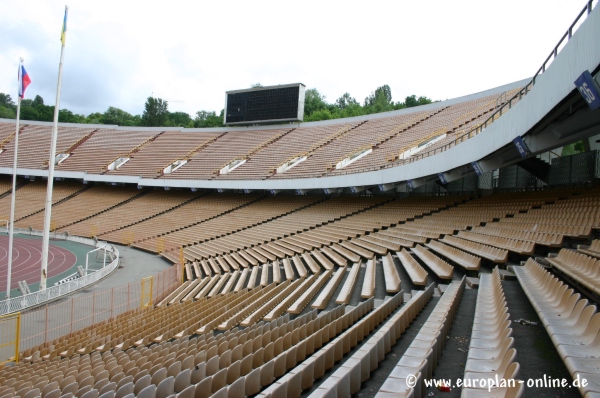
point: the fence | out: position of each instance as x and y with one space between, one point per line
10 326
21 303
51 321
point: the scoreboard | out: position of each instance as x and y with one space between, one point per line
283 103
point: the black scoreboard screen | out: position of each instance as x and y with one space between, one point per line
265 104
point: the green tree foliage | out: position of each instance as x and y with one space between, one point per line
208 119
412 100
314 101
6 101
7 113
180 119
38 101
117 116
66 116
573 148
321 114
94 118
380 100
30 113
7 107
346 101
156 112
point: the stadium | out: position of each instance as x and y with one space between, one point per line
448 249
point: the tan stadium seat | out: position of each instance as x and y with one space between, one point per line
368 287
551 298
348 286
439 267
392 278
326 294
465 260
582 268
417 274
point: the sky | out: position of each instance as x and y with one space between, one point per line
118 53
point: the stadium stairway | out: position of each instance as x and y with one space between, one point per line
136 149
78 143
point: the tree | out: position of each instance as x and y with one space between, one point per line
321 114
7 113
94 118
256 85
345 101
38 101
66 116
313 101
380 100
180 119
208 119
412 100
117 116
156 112
29 113
6 101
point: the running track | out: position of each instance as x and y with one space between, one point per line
27 261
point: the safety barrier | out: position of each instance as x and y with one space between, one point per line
21 303
10 327
50 321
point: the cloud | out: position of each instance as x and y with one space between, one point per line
119 53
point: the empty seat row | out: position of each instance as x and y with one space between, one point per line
368 286
491 353
390 273
491 253
591 250
438 266
416 273
504 230
420 359
464 259
347 379
573 325
514 245
580 267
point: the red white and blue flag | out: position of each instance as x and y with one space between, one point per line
24 81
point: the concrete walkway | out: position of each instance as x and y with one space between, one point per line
137 264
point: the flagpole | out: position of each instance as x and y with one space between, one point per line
48 211
13 193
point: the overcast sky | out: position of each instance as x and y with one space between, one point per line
190 52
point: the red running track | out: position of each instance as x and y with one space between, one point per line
27 261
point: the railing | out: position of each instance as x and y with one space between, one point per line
501 110
524 91
21 303
50 321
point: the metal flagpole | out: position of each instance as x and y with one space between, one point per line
13 194
48 211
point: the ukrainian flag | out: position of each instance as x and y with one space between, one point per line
63 34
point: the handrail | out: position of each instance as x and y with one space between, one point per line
518 96
21 303
524 91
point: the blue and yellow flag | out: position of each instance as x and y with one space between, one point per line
63 34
